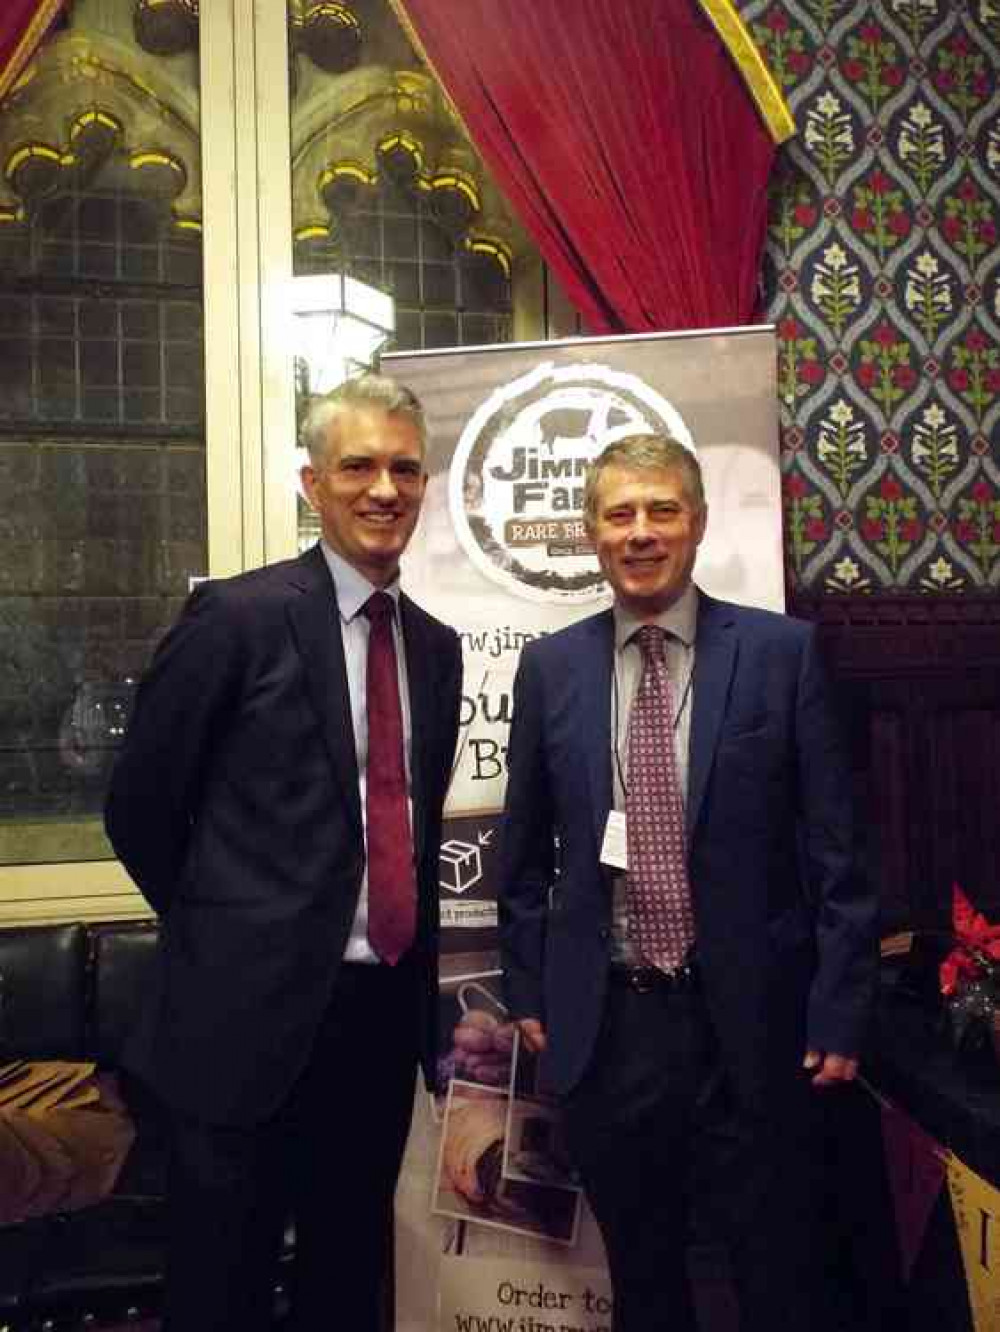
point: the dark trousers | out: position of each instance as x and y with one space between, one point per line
669 1159
328 1161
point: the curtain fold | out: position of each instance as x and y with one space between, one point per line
23 24
623 136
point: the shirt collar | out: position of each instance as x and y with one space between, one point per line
353 589
679 619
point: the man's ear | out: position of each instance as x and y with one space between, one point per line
307 475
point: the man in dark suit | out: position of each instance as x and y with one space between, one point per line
278 801
685 935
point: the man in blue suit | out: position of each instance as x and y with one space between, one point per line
686 937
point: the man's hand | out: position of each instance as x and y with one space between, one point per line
831 1069
533 1034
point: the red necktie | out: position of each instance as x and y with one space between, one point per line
392 886
658 895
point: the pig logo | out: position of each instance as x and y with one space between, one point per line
516 481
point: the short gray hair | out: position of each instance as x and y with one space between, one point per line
641 453
371 390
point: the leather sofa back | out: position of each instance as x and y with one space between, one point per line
43 992
71 991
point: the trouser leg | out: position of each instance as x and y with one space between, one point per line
630 1126
347 1123
225 1218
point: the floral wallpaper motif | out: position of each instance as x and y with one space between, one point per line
882 274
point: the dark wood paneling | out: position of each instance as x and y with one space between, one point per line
921 684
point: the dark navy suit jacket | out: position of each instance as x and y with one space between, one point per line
785 924
235 806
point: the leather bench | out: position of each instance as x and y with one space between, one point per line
68 992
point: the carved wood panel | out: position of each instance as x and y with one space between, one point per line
921 685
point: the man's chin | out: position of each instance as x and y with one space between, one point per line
644 600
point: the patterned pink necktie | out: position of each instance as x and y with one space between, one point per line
392 885
658 894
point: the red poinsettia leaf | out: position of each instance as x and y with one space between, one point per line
949 974
971 925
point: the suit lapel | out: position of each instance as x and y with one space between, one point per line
593 681
715 659
419 678
316 628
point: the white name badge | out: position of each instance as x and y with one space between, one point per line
614 848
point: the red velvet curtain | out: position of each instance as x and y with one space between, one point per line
622 134
23 24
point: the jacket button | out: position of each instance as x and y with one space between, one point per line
604 933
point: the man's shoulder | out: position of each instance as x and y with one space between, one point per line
572 638
427 622
754 621
269 582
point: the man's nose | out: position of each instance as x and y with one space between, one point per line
640 528
384 485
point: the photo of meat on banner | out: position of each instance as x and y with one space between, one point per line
501 1162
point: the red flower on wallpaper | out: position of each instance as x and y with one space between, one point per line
889 488
885 335
815 529
904 376
788 330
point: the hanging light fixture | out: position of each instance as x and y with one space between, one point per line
339 325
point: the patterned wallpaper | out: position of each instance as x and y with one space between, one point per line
882 274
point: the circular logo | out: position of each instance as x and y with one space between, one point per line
516 483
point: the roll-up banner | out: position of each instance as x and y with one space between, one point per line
491 1228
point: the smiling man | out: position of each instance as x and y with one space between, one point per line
278 801
685 935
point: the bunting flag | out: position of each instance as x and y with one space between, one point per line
916 1166
23 24
976 1205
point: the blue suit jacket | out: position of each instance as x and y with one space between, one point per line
785 924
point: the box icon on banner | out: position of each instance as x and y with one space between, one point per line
461 865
